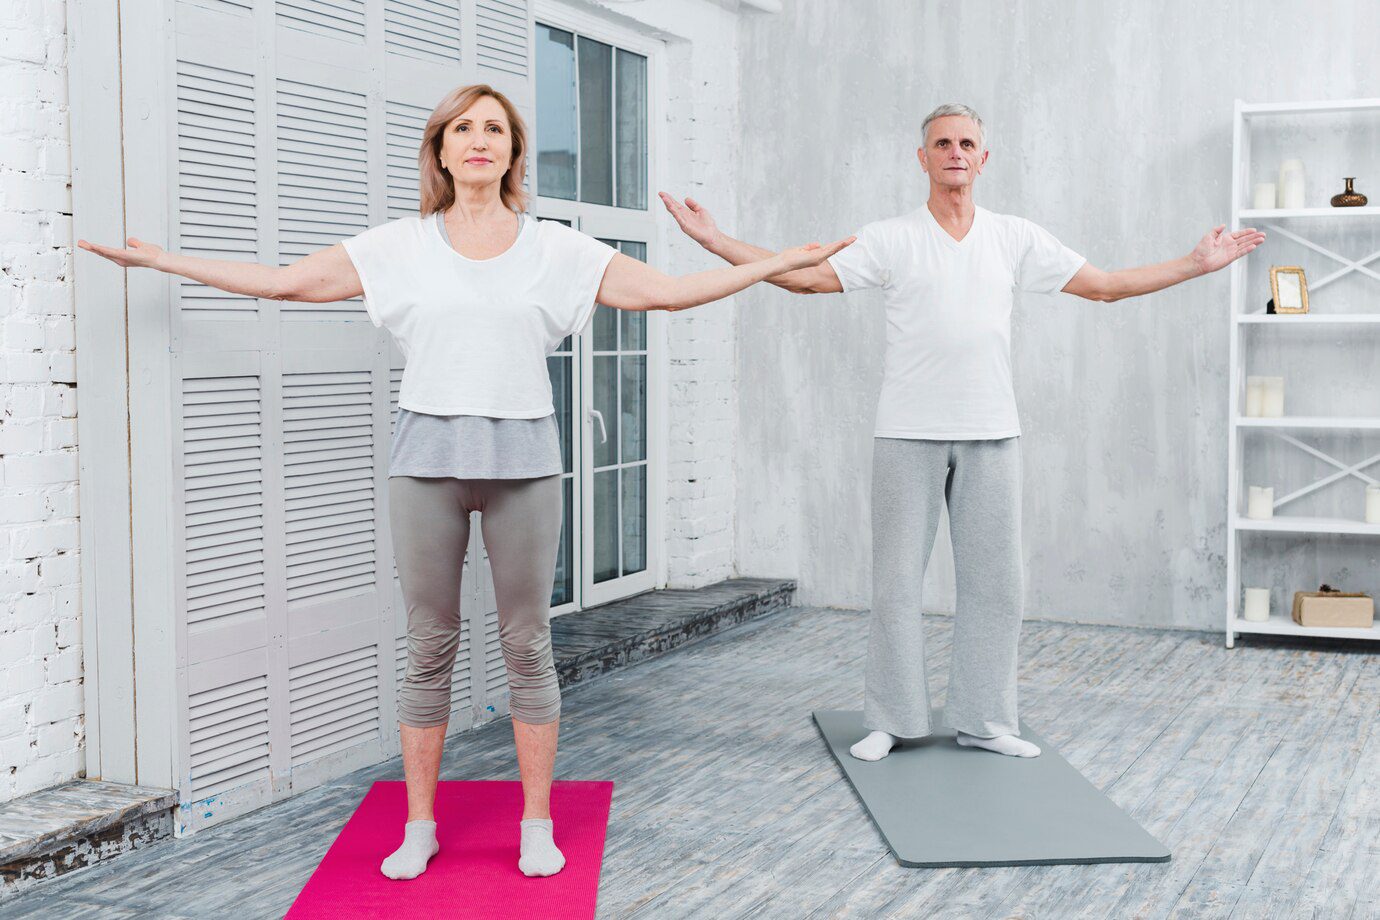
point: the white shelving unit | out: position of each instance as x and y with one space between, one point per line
1289 224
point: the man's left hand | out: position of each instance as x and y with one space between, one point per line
1218 249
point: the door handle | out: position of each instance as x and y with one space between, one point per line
603 432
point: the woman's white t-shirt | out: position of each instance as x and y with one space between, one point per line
476 332
947 371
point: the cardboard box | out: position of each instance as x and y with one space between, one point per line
1334 608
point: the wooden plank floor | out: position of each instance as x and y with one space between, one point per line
1258 766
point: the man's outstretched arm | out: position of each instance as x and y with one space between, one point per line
699 226
1217 249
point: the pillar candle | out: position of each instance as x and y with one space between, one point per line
1264 198
1291 184
1272 397
1257 605
1260 503
1255 397
1373 504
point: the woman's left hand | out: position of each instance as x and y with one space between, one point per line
811 254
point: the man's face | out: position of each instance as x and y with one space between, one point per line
952 154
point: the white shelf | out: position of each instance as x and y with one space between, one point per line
1309 319
1285 626
1315 422
1249 214
1251 109
1289 524
1294 224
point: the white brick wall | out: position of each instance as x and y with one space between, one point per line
700 162
41 725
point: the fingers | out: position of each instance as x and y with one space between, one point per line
835 247
692 204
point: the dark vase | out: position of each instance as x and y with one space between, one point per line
1350 198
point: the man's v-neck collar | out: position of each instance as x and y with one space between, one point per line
944 235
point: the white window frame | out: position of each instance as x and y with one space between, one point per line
611 222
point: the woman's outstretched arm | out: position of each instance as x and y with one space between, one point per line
633 285
322 277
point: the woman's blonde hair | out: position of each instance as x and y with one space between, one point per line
437 191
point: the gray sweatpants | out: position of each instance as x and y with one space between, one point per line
521 523
981 482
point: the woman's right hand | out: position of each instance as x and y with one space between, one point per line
325 276
139 255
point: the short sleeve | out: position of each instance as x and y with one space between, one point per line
580 261
866 262
1045 265
374 252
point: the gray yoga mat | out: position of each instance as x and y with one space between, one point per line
938 804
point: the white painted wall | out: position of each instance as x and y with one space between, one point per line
1110 125
41 729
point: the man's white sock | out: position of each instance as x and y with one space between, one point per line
874 747
1002 744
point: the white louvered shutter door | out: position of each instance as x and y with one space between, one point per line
223 430
295 125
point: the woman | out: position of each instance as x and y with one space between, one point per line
477 294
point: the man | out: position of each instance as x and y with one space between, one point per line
947 430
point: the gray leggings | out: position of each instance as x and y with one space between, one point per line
981 483
521 523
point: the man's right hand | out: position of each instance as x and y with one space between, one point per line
693 219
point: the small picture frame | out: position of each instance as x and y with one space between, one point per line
1289 289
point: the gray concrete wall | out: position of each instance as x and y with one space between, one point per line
1110 125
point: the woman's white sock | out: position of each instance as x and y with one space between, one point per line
539 854
418 846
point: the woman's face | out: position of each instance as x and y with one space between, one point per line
477 146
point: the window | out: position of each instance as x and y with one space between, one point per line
593 173
591 120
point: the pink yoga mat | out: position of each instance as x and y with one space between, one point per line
475 874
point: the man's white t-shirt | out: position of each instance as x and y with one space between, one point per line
947 370
476 332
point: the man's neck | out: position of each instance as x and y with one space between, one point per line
952 207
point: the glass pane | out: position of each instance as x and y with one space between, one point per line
633 322
563 589
557 134
631 113
605 525
558 368
634 519
606 328
605 401
596 121
634 407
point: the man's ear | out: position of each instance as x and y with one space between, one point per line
920 155
983 161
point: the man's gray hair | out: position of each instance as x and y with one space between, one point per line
953 108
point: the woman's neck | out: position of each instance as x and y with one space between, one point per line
477 205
